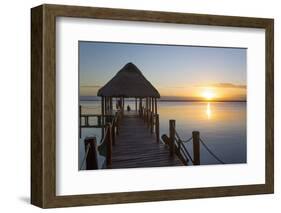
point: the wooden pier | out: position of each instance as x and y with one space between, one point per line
130 139
136 146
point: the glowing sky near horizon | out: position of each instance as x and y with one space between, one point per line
188 72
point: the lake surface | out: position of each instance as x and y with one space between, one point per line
222 126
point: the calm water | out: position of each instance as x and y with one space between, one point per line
222 126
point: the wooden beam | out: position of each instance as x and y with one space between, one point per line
104 105
140 107
151 122
111 106
156 106
172 126
157 127
147 112
90 150
152 99
109 145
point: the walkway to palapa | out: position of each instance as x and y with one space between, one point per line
136 146
129 140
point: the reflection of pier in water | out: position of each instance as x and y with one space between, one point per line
209 110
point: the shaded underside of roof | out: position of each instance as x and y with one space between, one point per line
129 82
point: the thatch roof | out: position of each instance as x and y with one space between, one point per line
129 82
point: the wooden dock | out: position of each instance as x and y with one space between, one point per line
136 146
129 140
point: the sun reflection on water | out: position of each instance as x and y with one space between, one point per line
209 111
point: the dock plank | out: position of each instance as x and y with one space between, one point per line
136 147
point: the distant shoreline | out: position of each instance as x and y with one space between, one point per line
167 100
202 101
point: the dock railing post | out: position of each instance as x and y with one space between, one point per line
196 147
157 127
172 127
91 159
109 145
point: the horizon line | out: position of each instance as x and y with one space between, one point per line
173 100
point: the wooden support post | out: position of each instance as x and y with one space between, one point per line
120 104
140 107
196 147
146 108
113 133
105 105
91 159
109 146
99 120
148 113
156 106
149 104
136 105
157 127
80 129
151 122
152 99
108 105
123 104
117 123
172 127
86 120
111 106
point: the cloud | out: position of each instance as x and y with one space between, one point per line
169 86
225 85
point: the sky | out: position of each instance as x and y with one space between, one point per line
177 72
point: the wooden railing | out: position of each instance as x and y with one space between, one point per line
88 120
104 148
151 119
177 147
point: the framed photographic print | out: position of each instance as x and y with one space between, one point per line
136 106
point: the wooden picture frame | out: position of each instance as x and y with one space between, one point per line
43 105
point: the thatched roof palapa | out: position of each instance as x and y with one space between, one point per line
129 82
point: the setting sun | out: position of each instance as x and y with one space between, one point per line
208 94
